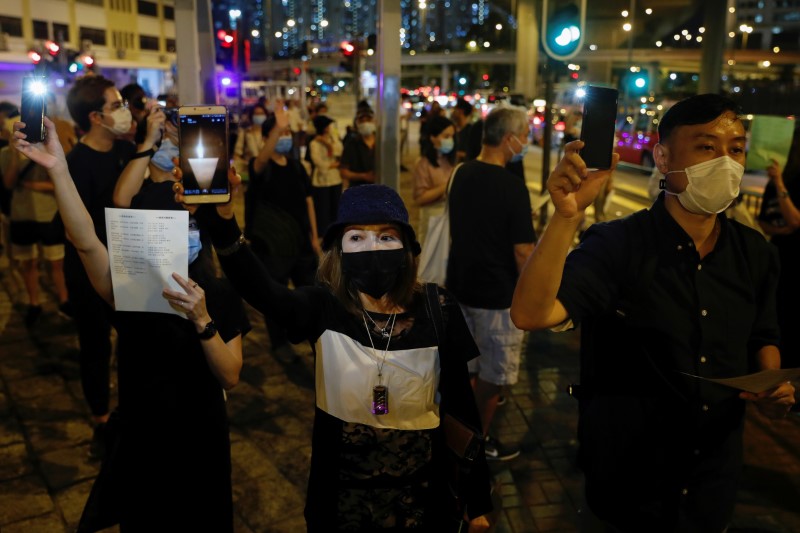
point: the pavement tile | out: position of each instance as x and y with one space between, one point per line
64 467
60 406
47 436
14 461
71 501
518 520
267 501
10 431
49 523
23 498
40 385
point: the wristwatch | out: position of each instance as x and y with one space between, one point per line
147 153
208 332
783 194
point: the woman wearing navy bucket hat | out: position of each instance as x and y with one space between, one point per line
386 375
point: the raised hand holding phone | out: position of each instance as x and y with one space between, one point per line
598 126
204 160
34 95
572 185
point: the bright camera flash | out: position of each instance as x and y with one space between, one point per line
38 88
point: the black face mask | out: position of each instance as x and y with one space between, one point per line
374 272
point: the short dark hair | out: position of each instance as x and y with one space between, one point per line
85 96
697 109
464 106
135 95
10 109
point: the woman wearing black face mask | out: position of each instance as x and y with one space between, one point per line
381 387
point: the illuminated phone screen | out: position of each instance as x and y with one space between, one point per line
204 156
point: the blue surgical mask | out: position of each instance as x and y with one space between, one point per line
194 240
518 156
163 157
447 145
259 119
284 144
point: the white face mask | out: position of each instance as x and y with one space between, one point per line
122 121
259 119
712 186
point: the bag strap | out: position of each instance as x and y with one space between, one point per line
449 186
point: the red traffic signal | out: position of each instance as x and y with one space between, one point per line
348 48
35 56
52 47
485 77
226 39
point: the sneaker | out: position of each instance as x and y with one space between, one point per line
501 400
496 451
32 315
66 309
97 447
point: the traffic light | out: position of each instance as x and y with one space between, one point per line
225 52
34 56
563 27
638 83
225 38
348 50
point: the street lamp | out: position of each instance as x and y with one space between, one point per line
746 31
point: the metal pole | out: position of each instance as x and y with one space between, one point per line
196 58
548 134
388 144
713 46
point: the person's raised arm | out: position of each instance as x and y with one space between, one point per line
281 123
789 211
572 189
132 177
78 223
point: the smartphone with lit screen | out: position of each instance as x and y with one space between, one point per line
34 107
203 146
597 130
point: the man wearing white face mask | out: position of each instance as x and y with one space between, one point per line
95 165
491 230
357 165
673 290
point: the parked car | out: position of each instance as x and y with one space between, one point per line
636 138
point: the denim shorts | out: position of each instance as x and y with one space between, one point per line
499 342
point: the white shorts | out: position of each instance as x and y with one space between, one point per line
499 342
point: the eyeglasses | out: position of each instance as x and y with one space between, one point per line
113 106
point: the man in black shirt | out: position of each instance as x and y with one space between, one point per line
357 165
95 163
666 292
462 118
492 235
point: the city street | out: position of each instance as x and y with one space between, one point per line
45 474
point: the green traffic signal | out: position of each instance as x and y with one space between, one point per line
563 28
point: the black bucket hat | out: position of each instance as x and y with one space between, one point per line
370 204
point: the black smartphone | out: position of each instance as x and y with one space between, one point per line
203 145
34 107
597 130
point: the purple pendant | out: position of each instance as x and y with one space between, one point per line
380 400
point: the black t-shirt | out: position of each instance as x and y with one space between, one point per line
287 186
358 157
95 175
490 212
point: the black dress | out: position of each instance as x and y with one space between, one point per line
174 450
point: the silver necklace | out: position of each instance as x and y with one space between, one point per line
380 393
385 330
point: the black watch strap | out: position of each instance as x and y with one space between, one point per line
147 153
208 332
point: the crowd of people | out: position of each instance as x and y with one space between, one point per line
328 255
